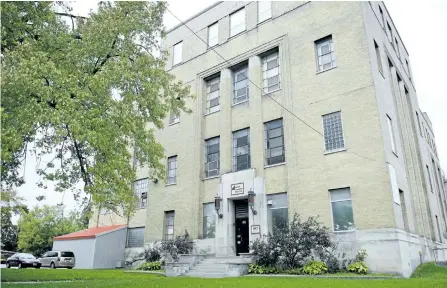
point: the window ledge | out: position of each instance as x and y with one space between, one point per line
381 73
395 154
274 165
344 231
176 65
322 71
206 114
334 151
172 184
212 177
232 105
271 92
265 20
235 35
172 124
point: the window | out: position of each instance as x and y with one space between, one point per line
169 225
270 67
341 205
439 228
104 211
213 34
397 48
429 178
264 10
177 58
212 157
172 170
325 53
209 221
390 130
174 118
212 95
389 33
382 16
333 132
404 209
135 237
237 22
141 188
136 163
240 84
379 58
241 150
408 69
394 185
277 211
419 124
274 142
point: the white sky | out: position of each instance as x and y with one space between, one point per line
420 25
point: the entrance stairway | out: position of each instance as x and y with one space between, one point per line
218 267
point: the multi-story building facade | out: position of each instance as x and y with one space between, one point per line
300 107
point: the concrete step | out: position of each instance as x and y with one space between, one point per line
205 274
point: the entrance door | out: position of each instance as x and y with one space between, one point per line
242 227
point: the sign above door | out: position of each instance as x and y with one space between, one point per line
237 189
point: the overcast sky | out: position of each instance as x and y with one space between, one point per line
420 25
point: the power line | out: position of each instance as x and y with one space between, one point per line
262 90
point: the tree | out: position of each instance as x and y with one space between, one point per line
10 205
38 227
88 92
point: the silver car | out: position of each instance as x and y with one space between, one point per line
58 259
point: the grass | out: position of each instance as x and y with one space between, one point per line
425 276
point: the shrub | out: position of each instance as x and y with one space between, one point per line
315 268
152 254
260 269
358 267
361 255
180 245
150 266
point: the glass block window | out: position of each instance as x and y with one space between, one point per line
212 157
270 67
135 237
241 150
277 211
209 221
264 10
237 22
213 34
391 132
169 225
141 188
174 118
341 204
212 95
325 53
274 142
177 53
172 170
333 132
240 84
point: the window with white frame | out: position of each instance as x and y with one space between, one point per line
213 34
212 157
212 95
333 132
408 69
341 205
325 53
172 170
391 131
140 187
240 84
394 185
264 10
174 118
277 211
397 48
241 150
237 22
270 67
169 225
209 221
378 57
135 237
177 53
274 142
429 178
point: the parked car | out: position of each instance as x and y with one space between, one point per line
23 260
58 259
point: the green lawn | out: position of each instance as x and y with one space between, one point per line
426 276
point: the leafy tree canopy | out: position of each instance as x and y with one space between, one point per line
10 204
88 91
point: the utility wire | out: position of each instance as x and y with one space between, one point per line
262 90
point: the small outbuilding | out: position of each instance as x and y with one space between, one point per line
95 248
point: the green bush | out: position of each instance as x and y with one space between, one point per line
150 266
315 268
358 267
259 269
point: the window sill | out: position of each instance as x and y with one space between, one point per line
172 184
275 165
172 124
334 151
395 154
212 177
235 35
322 71
344 231
271 92
176 65
206 114
381 73
265 20
232 105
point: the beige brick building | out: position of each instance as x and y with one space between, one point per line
327 124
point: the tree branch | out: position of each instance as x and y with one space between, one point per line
70 15
109 55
